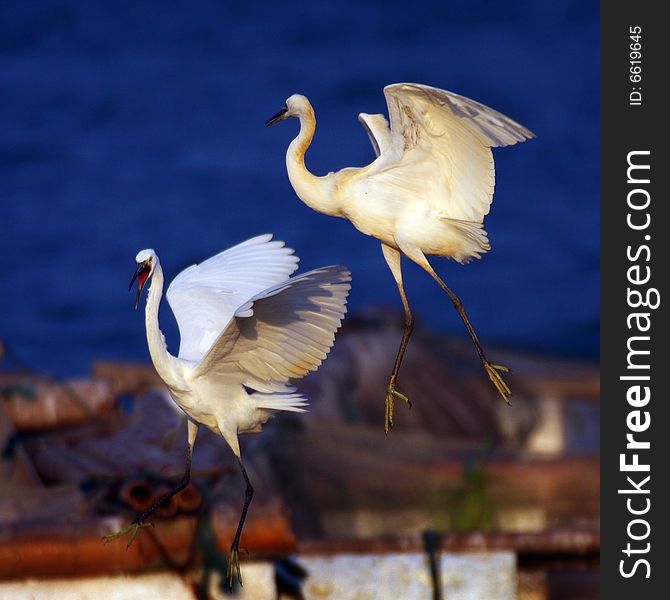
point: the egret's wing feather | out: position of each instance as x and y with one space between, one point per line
205 297
377 128
493 129
446 141
290 332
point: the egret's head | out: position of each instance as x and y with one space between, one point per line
146 263
295 106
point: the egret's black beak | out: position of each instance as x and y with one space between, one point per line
280 116
141 274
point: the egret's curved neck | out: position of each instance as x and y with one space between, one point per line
316 192
163 361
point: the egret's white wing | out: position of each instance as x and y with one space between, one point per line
290 332
205 297
435 107
446 141
377 128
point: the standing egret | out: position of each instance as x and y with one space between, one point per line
248 332
427 192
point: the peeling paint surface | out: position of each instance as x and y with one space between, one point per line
490 576
402 576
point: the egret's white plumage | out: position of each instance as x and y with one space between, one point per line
426 193
222 284
248 332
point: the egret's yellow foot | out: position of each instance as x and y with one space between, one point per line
233 567
498 381
391 394
132 529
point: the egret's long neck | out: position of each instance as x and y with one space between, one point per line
163 361
315 192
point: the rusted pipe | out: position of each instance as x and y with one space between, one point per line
75 547
189 499
138 494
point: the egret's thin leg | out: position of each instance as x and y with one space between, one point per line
491 369
138 522
234 559
392 257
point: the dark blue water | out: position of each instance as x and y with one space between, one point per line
127 125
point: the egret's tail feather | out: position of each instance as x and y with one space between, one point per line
474 236
288 402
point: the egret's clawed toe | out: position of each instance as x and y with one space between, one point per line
132 529
498 381
391 395
233 567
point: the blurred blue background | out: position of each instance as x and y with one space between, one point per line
128 125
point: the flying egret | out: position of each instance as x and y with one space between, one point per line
248 332
427 192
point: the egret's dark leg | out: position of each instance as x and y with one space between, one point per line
234 560
432 542
138 522
392 257
183 482
491 369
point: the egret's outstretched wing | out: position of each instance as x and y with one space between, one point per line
446 143
377 128
435 107
290 332
205 297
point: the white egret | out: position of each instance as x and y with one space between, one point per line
248 332
426 193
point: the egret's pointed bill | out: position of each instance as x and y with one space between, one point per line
141 274
280 116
